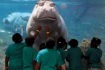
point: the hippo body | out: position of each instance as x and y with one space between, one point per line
45 15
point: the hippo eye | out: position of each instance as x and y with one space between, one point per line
52 4
41 3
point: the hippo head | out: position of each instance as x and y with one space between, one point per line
45 10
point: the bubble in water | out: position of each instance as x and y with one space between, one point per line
63 5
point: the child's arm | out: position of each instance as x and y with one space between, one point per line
34 63
59 68
37 66
6 62
62 67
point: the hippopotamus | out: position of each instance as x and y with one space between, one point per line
45 16
16 22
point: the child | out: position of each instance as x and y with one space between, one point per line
74 56
49 58
85 45
13 59
61 46
29 53
94 55
42 46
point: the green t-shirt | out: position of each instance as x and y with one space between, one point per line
63 53
74 57
29 54
14 52
49 59
94 57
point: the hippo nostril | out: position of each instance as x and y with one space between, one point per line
45 11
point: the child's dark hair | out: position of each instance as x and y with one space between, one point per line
73 43
61 42
95 42
50 43
29 41
42 46
17 38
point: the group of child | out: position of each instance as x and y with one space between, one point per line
52 55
